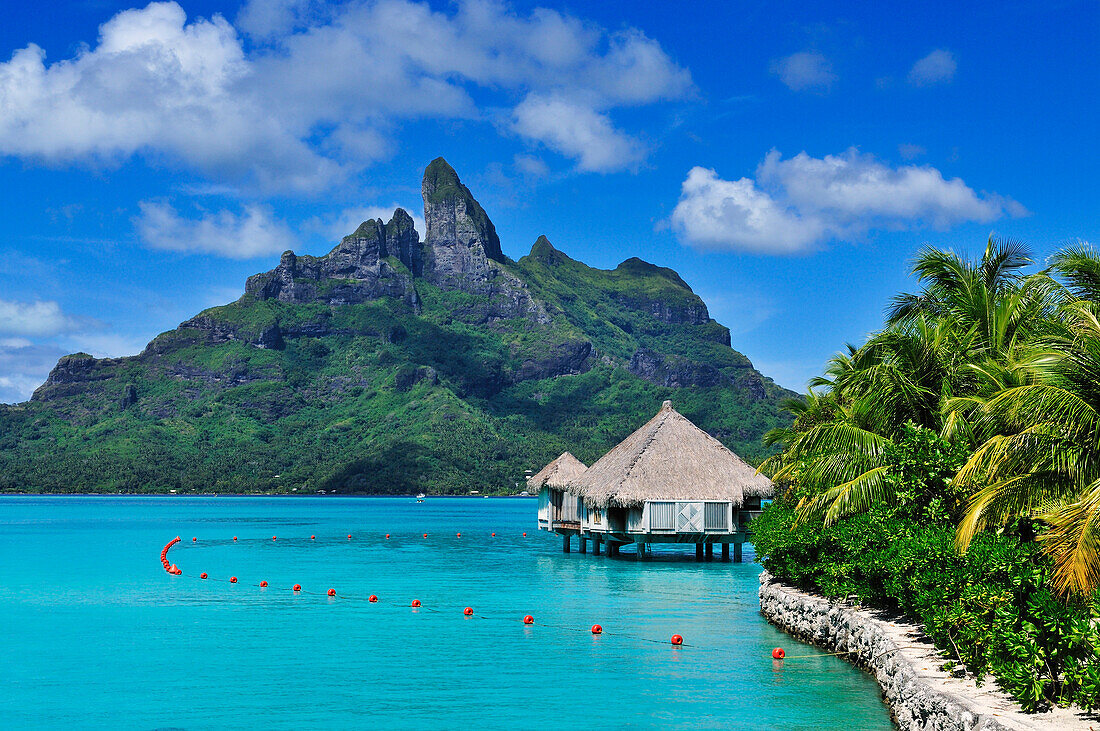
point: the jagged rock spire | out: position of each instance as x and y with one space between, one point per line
459 231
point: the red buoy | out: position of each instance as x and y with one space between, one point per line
524 535
468 611
677 640
313 538
494 535
597 629
194 539
372 598
416 603
458 535
349 536
234 537
387 535
332 592
273 537
425 535
263 584
297 587
172 567
528 619
202 575
232 579
778 653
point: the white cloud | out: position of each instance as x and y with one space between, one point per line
797 203
107 345
154 84
937 67
321 90
531 167
806 70
23 368
578 132
716 213
251 234
34 318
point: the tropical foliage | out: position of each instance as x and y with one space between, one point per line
991 610
949 469
978 404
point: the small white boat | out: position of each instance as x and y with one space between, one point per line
420 497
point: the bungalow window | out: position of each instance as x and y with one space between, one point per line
596 518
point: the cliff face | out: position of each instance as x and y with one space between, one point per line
413 361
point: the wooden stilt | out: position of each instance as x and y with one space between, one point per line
725 552
565 544
596 547
698 551
642 550
584 545
710 551
737 553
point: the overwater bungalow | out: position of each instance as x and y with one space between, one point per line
668 482
559 509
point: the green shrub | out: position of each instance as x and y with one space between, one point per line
990 609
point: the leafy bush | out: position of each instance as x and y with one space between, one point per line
990 609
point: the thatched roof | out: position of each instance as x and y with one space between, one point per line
558 473
669 459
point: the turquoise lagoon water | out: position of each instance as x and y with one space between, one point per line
97 635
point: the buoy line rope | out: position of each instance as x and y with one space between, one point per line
677 640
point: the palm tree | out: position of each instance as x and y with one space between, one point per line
1041 454
871 393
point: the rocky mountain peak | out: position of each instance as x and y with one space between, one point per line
459 231
545 252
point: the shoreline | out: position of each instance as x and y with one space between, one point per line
906 665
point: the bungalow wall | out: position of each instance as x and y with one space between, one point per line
559 509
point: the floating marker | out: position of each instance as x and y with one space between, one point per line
232 579
597 629
468 611
349 536
458 535
297 587
194 539
313 538
273 537
494 535
263 584
372 598
528 619
202 575
778 653
677 640
234 537
524 535
387 535
332 592
425 535
416 603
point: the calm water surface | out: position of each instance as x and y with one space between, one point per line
97 635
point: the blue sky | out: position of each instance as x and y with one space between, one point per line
787 160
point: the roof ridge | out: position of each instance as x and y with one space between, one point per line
661 418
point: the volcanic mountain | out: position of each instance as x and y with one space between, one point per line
391 365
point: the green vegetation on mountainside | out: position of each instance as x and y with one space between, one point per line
376 398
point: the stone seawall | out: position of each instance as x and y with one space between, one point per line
906 665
